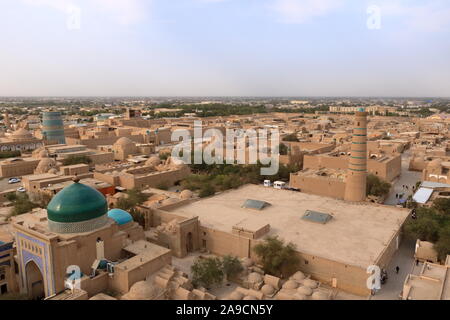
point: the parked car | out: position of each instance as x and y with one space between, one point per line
14 180
21 189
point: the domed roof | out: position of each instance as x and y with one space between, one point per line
310 283
77 203
319 296
124 141
299 296
121 217
249 298
45 165
153 161
236 295
298 276
268 290
142 290
290 284
254 277
186 194
306 291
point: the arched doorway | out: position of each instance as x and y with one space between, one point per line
189 243
35 281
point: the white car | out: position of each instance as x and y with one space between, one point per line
14 180
21 189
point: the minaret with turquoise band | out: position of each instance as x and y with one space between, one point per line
355 187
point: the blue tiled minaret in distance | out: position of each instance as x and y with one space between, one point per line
53 127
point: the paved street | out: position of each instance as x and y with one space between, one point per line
404 258
407 177
4 185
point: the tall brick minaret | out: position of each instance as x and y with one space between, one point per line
355 187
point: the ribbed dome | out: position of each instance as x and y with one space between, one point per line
119 216
77 203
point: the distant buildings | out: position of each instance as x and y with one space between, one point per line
371 110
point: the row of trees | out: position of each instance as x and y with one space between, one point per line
433 225
277 258
9 154
72 160
209 179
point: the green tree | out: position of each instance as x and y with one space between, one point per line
277 258
291 137
376 186
284 150
231 266
21 204
133 197
9 154
442 246
164 156
425 227
72 160
207 191
207 272
442 205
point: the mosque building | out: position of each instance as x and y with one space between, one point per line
77 238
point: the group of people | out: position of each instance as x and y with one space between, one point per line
406 189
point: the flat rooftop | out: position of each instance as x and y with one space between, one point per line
145 252
356 235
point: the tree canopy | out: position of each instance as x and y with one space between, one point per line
211 271
72 160
433 225
376 186
278 258
207 272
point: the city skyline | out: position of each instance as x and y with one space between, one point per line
273 48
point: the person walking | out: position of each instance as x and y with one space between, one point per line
397 269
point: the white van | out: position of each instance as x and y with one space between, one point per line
267 183
279 185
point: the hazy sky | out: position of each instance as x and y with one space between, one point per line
224 47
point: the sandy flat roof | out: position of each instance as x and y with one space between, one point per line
144 254
424 289
356 235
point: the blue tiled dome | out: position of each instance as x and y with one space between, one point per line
77 203
119 216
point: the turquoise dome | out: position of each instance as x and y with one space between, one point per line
77 203
119 216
